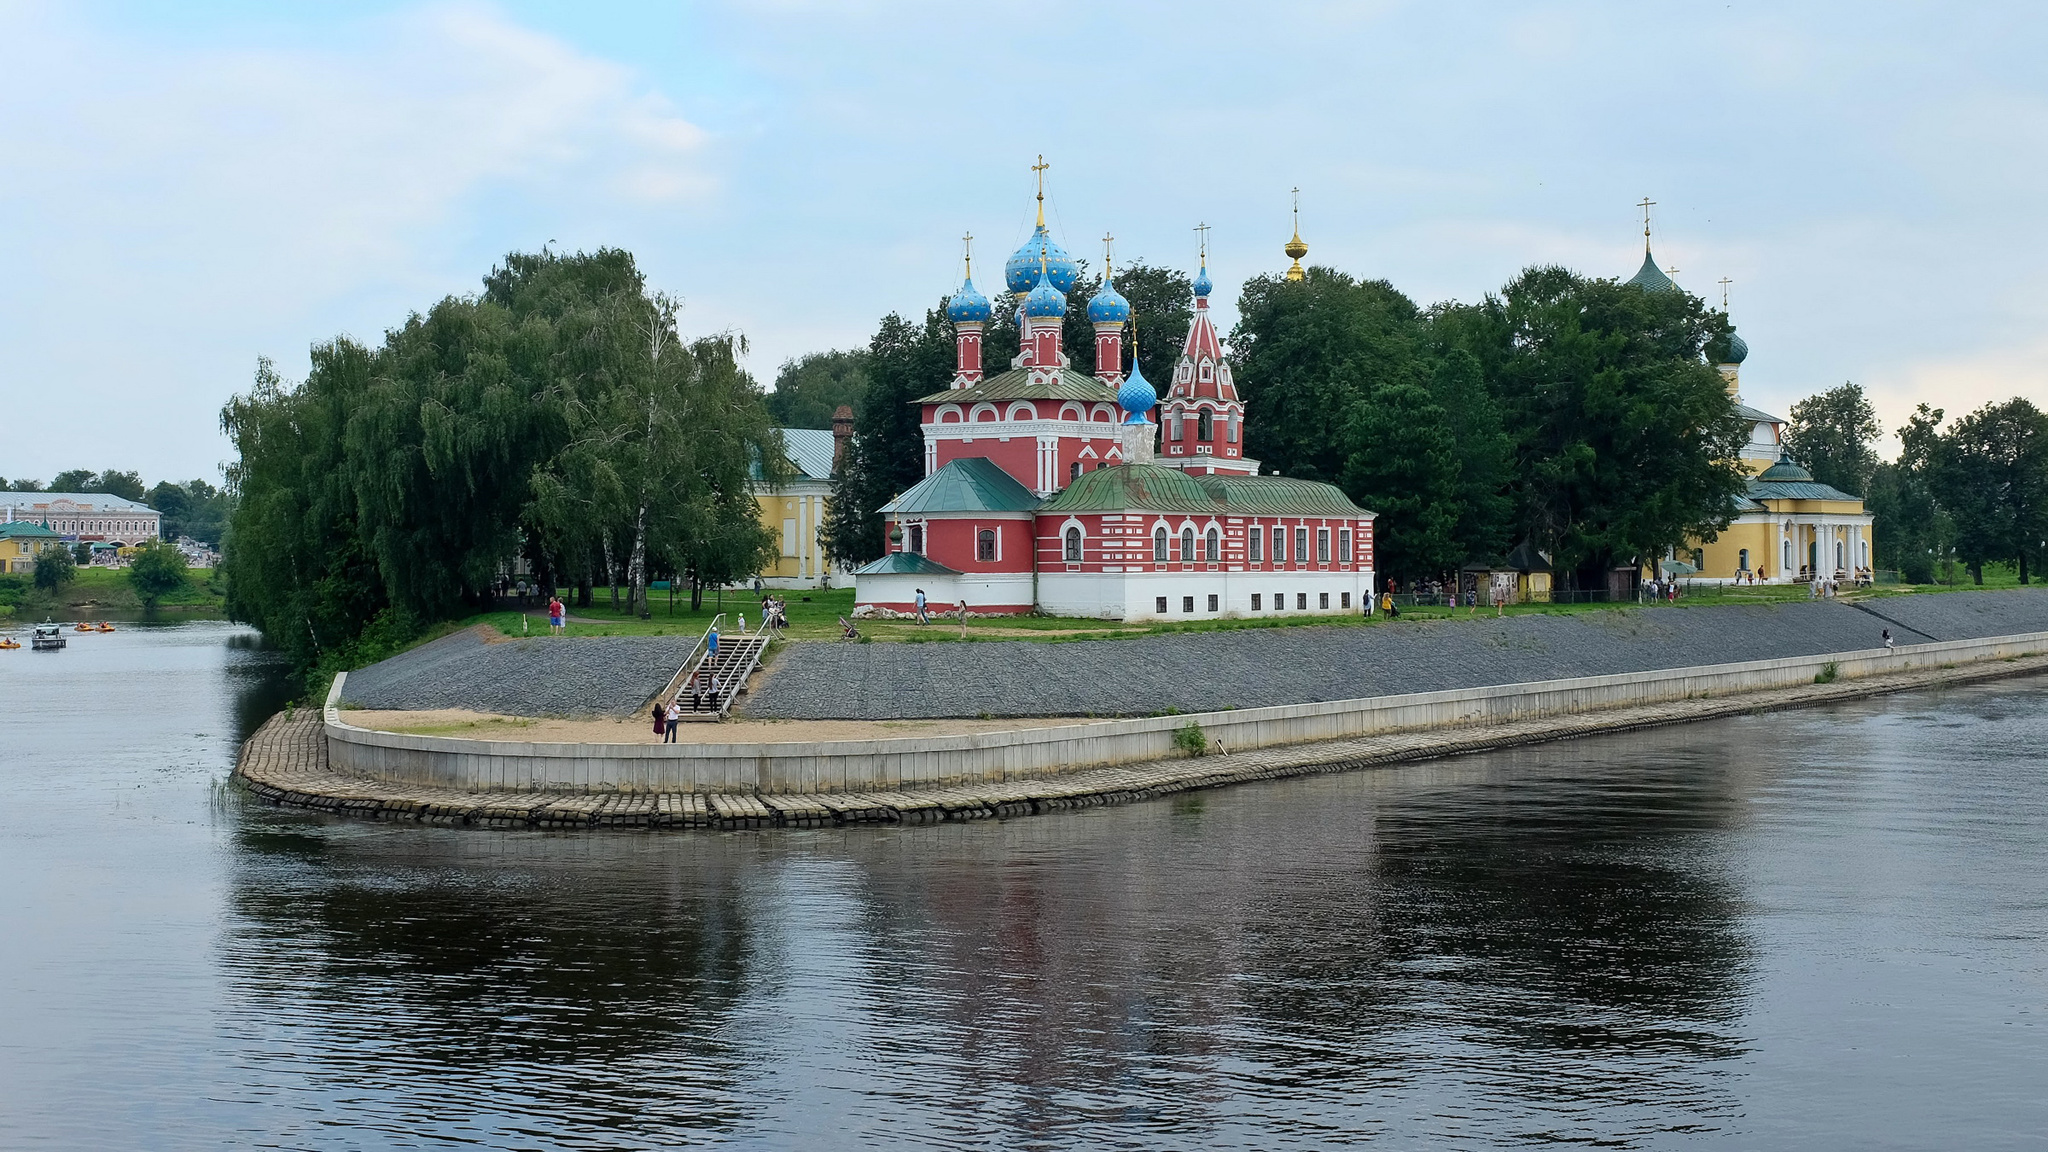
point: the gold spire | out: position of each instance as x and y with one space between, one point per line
1294 248
967 245
1038 169
1646 205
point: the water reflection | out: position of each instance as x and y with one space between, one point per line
1564 941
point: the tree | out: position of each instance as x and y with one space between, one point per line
1833 434
1908 522
810 388
195 509
157 570
73 480
21 485
1992 477
54 568
906 360
1625 440
127 485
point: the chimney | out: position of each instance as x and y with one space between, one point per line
842 431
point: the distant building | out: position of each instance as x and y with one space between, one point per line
93 517
795 510
19 543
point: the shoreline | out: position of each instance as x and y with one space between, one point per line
286 763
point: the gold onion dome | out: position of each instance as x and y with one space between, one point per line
1294 248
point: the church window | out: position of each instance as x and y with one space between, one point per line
1322 599
1212 602
985 545
1787 565
1346 603
1159 604
1301 551
1255 601
1212 547
1187 545
1742 560
1187 603
917 538
1205 426
1301 601
1159 551
1279 601
1253 537
1208 370
1699 559
1344 546
1279 544
1230 430
1173 425
1323 548
1073 544
1073 471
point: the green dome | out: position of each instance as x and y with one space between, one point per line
1651 278
1785 471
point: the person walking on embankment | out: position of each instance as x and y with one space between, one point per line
555 615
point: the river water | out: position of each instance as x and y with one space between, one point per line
1813 928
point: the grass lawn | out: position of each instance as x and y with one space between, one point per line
814 615
98 591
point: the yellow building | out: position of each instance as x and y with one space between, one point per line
795 511
1788 527
19 543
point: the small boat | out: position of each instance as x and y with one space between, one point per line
9 643
81 626
47 638
104 627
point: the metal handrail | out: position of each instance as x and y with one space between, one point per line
675 682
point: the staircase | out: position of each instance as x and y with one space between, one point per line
731 666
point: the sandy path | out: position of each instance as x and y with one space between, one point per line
640 730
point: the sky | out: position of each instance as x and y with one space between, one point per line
185 188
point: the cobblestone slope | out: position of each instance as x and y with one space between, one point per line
543 676
1205 671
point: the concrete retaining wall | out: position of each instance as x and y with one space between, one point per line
941 761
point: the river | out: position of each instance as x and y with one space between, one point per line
1811 928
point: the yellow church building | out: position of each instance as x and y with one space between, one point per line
795 510
1788 527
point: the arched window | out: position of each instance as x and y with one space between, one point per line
1173 426
1205 426
1212 546
1787 565
1159 545
1073 544
985 544
1187 545
1073 471
1230 430
917 538
1742 560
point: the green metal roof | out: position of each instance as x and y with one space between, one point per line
1152 488
1755 414
969 484
1651 278
904 563
1016 385
1796 490
24 528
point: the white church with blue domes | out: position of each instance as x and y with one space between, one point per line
1047 489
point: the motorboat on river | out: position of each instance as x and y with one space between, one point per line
47 638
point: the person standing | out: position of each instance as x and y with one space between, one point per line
711 641
675 717
661 717
556 615
963 619
743 623
921 617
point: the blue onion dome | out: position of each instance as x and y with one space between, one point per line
967 304
1045 300
1022 270
1203 285
1108 305
1738 349
1136 396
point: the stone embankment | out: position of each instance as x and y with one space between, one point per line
286 762
1257 667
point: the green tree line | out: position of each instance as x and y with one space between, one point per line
195 508
558 415
1973 492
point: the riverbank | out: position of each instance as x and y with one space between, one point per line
99 593
287 761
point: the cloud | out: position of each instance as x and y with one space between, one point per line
220 201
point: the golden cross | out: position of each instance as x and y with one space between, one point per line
967 243
1645 206
1038 170
1673 273
1297 211
1106 239
1725 282
1204 230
